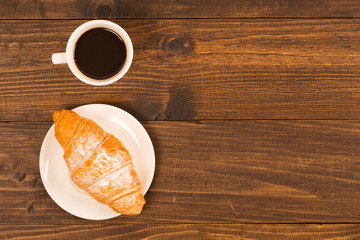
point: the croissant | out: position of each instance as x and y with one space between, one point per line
98 163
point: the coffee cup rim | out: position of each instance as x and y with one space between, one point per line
79 31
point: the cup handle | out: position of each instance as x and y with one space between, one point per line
59 58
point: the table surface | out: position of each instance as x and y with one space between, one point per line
253 108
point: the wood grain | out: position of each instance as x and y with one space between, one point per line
211 172
184 231
89 9
193 69
223 64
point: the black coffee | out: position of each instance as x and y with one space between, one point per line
100 53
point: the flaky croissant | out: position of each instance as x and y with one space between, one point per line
98 163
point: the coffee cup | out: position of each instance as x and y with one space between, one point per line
98 52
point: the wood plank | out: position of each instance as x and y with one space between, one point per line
183 231
193 69
89 9
211 172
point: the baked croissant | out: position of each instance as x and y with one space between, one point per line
98 163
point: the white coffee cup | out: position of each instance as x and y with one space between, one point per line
68 56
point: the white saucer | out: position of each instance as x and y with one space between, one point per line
55 174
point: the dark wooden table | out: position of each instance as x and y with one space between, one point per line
253 108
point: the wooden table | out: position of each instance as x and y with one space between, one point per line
253 108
